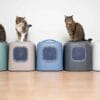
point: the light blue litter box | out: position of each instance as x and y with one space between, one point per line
49 56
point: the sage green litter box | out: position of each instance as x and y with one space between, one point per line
3 56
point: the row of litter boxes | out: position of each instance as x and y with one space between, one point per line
50 55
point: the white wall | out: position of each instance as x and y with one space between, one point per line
47 17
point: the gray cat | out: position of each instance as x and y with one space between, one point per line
75 29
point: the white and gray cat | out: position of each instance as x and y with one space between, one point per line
22 28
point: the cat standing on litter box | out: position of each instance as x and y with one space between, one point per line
2 33
22 28
75 29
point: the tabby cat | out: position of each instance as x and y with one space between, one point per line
2 33
75 29
22 28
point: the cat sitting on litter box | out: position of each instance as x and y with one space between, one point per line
75 29
2 33
22 28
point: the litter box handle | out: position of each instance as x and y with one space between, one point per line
49 40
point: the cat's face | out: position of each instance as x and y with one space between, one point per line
69 20
20 20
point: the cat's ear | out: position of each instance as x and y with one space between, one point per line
65 16
16 17
72 16
23 17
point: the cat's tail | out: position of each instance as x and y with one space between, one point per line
29 25
89 39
